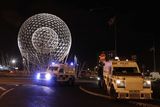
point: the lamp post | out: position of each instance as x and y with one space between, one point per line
115 35
13 62
153 49
154 56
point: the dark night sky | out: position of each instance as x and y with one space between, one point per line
137 26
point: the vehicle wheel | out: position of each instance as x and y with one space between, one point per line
104 86
105 89
37 83
99 84
113 92
54 82
71 82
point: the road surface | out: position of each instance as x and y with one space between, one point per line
23 92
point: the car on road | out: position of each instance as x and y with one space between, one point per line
154 76
123 80
57 73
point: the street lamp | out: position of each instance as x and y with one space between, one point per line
13 61
154 55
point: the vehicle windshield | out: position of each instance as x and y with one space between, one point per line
61 70
53 68
125 71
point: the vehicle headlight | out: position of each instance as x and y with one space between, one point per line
120 83
98 78
147 84
38 75
48 76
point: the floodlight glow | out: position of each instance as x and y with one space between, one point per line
71 63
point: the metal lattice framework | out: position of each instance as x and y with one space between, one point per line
43 38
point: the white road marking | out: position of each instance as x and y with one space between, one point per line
95 94
1 88
4 93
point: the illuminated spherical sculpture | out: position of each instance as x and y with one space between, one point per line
43 38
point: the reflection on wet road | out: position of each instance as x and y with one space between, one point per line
58 96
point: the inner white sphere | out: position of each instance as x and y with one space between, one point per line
44 40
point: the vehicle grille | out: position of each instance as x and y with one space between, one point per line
147 96
123 95
42 76
129 95
134 95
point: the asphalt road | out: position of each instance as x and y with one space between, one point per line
22 92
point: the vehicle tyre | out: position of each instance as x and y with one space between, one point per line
71 81
99 84
113 93
54 81
104 86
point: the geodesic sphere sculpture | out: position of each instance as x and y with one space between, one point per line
43 38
